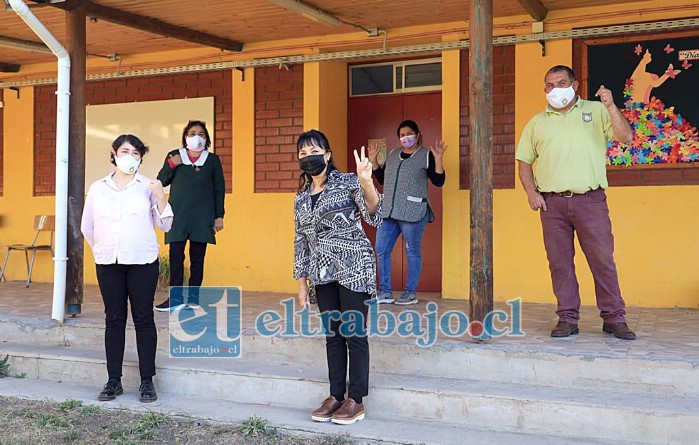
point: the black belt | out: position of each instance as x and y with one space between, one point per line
567 193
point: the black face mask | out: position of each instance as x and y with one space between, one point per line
312 164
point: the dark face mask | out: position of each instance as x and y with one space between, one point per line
312 164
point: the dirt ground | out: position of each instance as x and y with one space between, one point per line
29 422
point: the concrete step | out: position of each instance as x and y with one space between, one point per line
376 428
456 360
504 407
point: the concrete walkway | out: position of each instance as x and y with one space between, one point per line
662 334
587 389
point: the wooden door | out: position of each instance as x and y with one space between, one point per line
375 117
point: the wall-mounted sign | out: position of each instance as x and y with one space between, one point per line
381 158
688 54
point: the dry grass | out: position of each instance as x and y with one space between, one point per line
29 422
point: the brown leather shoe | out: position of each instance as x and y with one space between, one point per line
564 329
349 412
620 330
325 412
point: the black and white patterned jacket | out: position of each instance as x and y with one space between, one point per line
330 243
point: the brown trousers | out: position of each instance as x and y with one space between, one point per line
588 215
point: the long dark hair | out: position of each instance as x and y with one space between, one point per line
316 138
413 126
140 147
191 124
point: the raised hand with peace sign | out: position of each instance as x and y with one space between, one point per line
363 166
364 171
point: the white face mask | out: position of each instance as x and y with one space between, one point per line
560 97
196 143
127 163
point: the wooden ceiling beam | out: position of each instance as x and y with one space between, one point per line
25 45
9 68
535 8
149 24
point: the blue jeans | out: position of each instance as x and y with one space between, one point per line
386 237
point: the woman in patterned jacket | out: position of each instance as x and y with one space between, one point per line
332 251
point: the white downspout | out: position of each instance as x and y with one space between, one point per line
62 121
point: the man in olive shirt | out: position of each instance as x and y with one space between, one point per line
568 141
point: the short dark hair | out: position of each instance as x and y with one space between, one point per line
558 69
317 138
191 124
140 147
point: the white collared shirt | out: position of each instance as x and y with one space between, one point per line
200 160
119 224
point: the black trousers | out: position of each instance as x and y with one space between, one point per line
197 251
120 284
334 297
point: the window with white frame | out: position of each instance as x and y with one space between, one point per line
396 77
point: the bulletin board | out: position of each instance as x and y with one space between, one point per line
158 124
654 82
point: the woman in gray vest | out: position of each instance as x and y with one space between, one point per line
406 208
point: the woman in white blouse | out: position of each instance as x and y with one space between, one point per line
121 213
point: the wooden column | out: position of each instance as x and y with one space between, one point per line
77 49
481 158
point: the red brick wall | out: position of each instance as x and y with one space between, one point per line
278 122
44 140
218 84
503 118
672 174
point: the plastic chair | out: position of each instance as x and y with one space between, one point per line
42 223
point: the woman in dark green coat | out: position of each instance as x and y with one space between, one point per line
197 192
